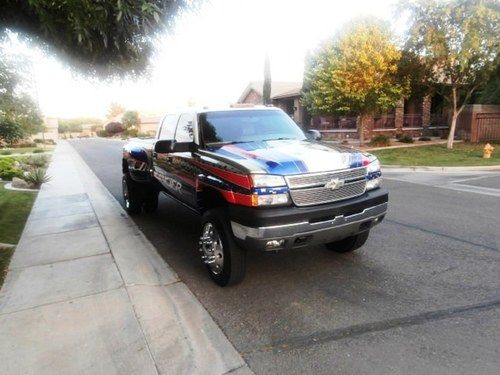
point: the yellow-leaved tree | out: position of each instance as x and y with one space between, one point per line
355 72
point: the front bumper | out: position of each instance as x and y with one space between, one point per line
344 221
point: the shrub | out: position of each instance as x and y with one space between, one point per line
24 144
46 142
36 177
5 152
132 132
424 139
405 139
102 133
380 141
37 150
37 161
114 127
8 169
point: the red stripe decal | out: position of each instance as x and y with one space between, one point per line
235 178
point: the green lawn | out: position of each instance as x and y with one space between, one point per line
462 154
14 210
25 150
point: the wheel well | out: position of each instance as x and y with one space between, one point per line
211 198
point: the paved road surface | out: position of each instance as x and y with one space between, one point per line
422 296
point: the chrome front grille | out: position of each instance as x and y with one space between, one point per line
308 190
320 179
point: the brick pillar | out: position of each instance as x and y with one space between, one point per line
426 111
399 111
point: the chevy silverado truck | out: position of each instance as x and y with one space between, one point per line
258 182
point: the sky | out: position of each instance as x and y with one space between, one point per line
209 58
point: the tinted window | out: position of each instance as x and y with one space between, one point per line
168 127
248 126
185 128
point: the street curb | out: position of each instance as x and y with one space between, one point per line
406 168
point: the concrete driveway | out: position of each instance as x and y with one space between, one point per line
422 296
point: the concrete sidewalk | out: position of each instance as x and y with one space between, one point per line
87 293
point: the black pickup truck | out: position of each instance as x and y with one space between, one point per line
259 183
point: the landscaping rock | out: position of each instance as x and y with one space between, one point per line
19 183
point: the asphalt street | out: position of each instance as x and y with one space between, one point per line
421 297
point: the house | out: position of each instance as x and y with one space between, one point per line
285 95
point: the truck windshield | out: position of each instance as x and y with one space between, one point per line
247 126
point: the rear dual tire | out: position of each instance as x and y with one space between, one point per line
137 197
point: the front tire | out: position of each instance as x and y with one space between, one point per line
349 244
224 259
132 197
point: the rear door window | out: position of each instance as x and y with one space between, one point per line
168 127
185 128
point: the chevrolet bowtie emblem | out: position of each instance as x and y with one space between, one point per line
334 184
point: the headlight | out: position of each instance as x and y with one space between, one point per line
270 196
267 180
373 174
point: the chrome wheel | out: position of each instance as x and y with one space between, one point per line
211 248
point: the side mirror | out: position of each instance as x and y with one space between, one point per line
164 146
313 135
167 146
183 147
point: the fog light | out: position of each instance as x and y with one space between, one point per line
274 244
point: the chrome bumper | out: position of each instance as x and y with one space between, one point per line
306 233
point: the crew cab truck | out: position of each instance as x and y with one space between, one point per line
259 183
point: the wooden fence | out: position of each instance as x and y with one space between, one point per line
486 127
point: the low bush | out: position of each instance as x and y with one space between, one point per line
380 141
132 132
5 152
38 151
102 133
8 169
37 161
405 139
36 177
46 142
24 144
114 127
424 139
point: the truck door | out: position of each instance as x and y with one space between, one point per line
162 162
182 168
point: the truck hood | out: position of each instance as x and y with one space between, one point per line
287 157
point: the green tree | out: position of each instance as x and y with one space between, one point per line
266 90
107 37
130 119
355 72
75 125
458 40
10 132
15 104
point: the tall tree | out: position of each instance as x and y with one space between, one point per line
16 105
355 72
107 37
115 109
130 119
266 90
458 40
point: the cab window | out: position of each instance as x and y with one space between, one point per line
168 127
185 128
